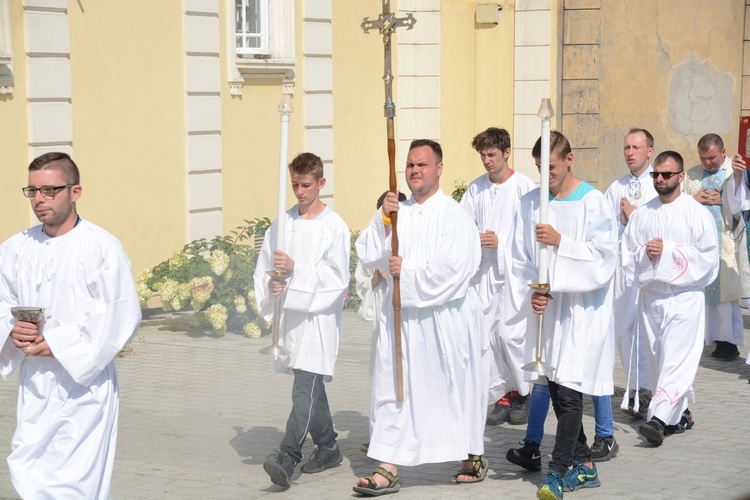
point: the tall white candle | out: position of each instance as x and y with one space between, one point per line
545 113
283 158
285 108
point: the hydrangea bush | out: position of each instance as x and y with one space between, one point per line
214 278
460 185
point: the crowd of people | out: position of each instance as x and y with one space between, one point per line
653 268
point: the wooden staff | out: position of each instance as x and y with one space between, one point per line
386 24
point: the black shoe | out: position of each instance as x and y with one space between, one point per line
519 411
644 399
631 409
527 456
727 352
685 424
653 431
280 467
321 459
499 415
719 349
604 449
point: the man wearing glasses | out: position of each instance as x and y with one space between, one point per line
671 249
79 276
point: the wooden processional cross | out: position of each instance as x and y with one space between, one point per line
386 24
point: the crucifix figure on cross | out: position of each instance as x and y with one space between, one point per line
386 24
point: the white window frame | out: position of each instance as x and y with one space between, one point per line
263 34
6 50
280 62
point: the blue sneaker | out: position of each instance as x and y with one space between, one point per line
581 476
552 489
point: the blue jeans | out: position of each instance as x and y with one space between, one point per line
539 407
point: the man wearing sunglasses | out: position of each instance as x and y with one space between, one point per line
670 248
706 183
78 274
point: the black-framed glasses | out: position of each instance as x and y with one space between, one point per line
48 192
666 175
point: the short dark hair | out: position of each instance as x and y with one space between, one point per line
57 161
307 163
401 197
708 140
434 145
665 155
649 137
493 137
558 143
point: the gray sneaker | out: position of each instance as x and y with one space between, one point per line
280 468
321 459
499 415
519 411
604 449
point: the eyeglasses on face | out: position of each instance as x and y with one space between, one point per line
666 175
48 192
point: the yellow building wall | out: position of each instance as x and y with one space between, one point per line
679 80
360 143
14 152
128 122
476 78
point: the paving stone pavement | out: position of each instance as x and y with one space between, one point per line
200 414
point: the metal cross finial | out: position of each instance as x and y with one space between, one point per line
386 24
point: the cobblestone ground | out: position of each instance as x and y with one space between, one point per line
200 414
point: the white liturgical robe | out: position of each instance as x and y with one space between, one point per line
371 306
577 337
638 191
444 344
723 296
671 301
493 207
64 444
314 296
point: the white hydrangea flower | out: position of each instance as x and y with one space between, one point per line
219 261
169 289
144 293
200 290
461 183
184 291
217 316
253 303
252 330
178 258
239 304
178 303
145 275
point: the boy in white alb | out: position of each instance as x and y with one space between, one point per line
318 245
492 200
